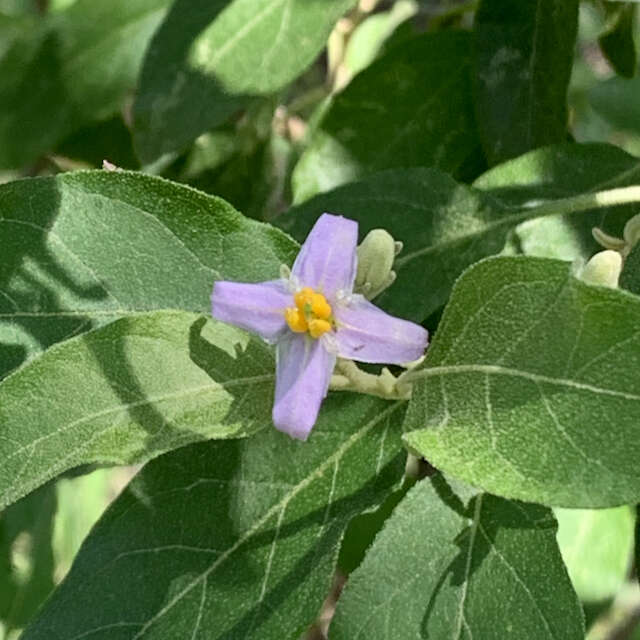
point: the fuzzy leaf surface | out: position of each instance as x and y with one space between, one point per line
83 249
460 566
215 540
129 391
530 387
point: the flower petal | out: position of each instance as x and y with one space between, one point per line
368 334
255 307
327 259
303 372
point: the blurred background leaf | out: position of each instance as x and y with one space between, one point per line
411 107
69 69
523 52
596 547
208 59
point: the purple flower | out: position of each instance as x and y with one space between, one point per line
314 317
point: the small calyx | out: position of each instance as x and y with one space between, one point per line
312 313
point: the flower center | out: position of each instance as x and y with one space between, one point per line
311 314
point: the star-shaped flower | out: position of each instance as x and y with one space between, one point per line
314 317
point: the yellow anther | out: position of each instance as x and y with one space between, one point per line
317 327
312 313
295 319
320 307
303 297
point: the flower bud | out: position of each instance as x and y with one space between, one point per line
376 254
603 269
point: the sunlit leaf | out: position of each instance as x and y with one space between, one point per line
235 539
83 249
530 387
210 57
128 392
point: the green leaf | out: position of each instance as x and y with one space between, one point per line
81 501
411 107
455 566
209 57
233 539
616 100
446 226
74 68
630 276
616 40
83 249
596 547
26 557
522 66
530 387
128 392
561 171
370 36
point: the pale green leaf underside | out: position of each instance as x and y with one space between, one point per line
596 546
234 539
530 388
128 392
460 567
82 249
209 57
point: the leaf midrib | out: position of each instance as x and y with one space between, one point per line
489 369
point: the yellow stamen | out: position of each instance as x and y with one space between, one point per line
320 307
295 319
312 313
317 327
303 297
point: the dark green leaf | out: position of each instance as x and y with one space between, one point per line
630 276
616 100
530 387
75 68
26 556
210 56
83 249
235 539
446 226
522 66
128 392
617 41
107 140
455 566
596 547
411 107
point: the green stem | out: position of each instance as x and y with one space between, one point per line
588 201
